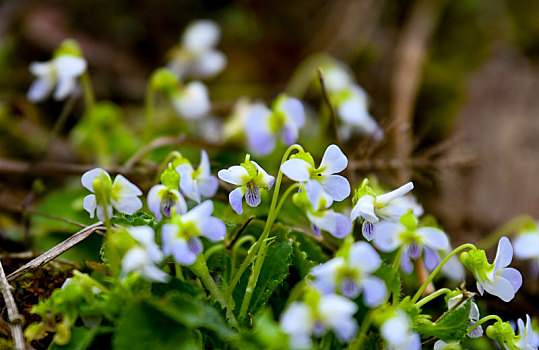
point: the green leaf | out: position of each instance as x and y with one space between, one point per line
306 253
273 272
138 219
452 327
81 338
142 326
391 278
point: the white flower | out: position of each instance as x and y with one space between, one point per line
354 113
194 183
302 320
474 314
192 101
526 246
143 257
527 338
250 178
181 236
322 218
386 206
441 345
121 194
333 161
162 199
62 72
353 276
197 56
263 126
235 124
501 280
397 332
389 236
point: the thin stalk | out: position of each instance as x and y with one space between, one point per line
237 247
87 91
513 226
483 320
433 296
439 267
269 222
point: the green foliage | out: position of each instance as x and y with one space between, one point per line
391 278
452 327
306 253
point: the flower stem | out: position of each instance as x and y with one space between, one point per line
513 226
357 342
237 246
200 269
261 243
433 296
87 91
396 263
149 109
439 267
483 320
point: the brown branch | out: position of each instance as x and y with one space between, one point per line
14 209
15 319
409 163
409 58
57 250
157 143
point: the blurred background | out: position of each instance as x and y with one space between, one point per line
458 78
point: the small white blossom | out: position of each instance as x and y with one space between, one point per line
192 101
398 334
62 72
120 194
199 182
527 339
526 246
163 200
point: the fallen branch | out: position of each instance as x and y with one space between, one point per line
57 250
15 318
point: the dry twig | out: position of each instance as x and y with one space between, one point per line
15 318
57 250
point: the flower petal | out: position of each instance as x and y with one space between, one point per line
333 161
294 111
88 177
101 212
385 198
188 185
252 196
209 64
297 169
386 235
204 168
527 246
500 287
363 255
89 204
367 229
374 291
504 254
143 234
406 264
513 276
201 35
267 180
208 186
169 235
199 214
195 245
364 208
69 66
65 88
182 254
432 258
336 186
214 229
433 237
260 138
337 224
126 200
236 175
154 200
235 198
40 89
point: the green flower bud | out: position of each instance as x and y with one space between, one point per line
409 221
164 81
68 47
502 333
476 261
170 177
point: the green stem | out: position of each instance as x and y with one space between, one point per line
432 296
237 246
513 226
149 110
325 344
396 264
439 267
87 91
357 342
200 269
483 320
178 270
209 252
262 239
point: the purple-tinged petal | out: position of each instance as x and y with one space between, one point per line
513 276
236 198
154 201
319 329
406 264
316 230
297 169
187 184
40 89
363 255
182 254
374 291
526 246
289 134
293 109
414 250
432 258
368 230
252 196
480 288
260 138
504 254
386 235
337 224
433 237
214 229
334 161
208 186
349 288
195 245
336 186
477 332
